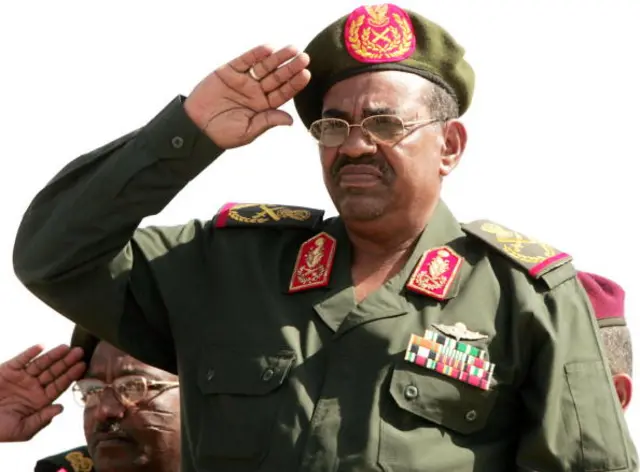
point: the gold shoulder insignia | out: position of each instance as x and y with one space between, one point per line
72 460
79 462
267 215
536 257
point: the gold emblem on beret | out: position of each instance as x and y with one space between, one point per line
379 33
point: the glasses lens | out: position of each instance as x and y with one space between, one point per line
330 132
387 128
131 389
87 392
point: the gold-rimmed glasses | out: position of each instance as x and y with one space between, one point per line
129 390
386 129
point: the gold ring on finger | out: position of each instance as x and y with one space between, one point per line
253 75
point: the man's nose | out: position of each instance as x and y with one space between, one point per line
358 143
109 407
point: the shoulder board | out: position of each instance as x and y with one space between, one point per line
267 215
73 460
539 259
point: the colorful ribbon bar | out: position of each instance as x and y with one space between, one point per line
451 343
449 361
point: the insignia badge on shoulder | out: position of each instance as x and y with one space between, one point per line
379 33
73 460
536 257
449 356
79 462
435 272
314 263
267 215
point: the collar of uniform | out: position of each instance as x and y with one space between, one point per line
335 300
442 230
340 276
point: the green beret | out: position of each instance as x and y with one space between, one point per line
383 37
87 341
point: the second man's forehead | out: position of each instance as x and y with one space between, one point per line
363 113
114 371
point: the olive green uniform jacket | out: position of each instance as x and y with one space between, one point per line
311 381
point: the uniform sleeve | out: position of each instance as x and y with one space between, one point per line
78 250
572 419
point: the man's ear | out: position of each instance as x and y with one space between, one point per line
453 142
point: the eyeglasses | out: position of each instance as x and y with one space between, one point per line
385 129
129 390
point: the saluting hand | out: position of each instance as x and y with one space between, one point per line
238 102
28 388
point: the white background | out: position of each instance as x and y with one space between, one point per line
552 130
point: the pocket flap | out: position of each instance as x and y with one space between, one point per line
444 401
235 371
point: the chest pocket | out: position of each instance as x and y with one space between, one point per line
422 406
241 393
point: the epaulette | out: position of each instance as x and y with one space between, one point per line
73 460
267 215
540 260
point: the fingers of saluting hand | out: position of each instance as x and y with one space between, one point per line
281 74
21 360
62 353
279 67
289 89
59 369
244 62
68 373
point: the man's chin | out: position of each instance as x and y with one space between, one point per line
109 456
361 208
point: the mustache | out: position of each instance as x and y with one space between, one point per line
110 427
372 160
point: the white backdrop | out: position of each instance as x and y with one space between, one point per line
552 128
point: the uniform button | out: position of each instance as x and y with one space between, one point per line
410 392
471 416
177 142
267 375
211 374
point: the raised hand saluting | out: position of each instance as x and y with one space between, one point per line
239 101
28 388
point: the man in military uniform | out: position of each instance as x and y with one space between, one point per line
389 338
30 383
131 415
607 299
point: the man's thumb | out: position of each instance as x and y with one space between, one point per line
268 119
35 423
